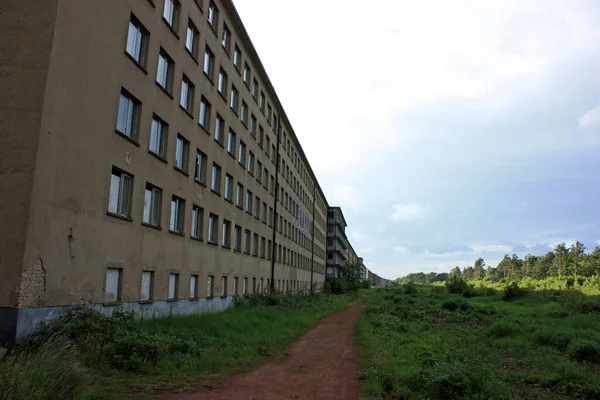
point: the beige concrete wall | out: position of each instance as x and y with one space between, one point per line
26 37
70 238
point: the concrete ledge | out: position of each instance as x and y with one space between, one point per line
28 320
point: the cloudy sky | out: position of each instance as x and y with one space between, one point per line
446 130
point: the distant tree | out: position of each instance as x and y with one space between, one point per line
528 265
504 266
442 277
468 273
590 263
516 266
576 254
561 252
430 277
493 274
455 273
479 268
543 266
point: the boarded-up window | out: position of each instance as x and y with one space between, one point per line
194 287
147 278
173 286
113 284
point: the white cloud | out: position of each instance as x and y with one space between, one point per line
409 212
366 250
347 197
399 249
491 248
590 119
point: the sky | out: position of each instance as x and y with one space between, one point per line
446 130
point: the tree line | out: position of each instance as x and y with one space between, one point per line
563 261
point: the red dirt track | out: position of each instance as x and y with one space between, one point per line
319 365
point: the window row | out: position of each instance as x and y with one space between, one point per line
114 277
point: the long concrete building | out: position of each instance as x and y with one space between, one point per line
146 162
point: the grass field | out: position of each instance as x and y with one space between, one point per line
421 342
89 356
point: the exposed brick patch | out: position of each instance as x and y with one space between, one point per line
32 284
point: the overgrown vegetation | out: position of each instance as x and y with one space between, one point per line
87 355
349 282
500 341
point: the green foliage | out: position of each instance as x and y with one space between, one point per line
456 285
584 350
122 352
434 344
54 371
512 291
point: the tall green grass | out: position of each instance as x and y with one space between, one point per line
463 342
88 355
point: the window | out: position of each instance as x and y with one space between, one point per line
210 280
257 207
249 202
261 135
128 116
137 41
237 57
193 286
164 72
209 63
269 249
246 75
187 94
260 285
231 143
245 286
233 101
270 220
191 39
204 118
244 114
253 285
182 148
263 247
255 89
226 38
177 212
222 84
269 110
237 239
255 247
147 285
197 221
158 136
226 242
112 291
173 286
251 163
215 184
235 285
239 194
171 13
253 126
247 241
259 171
213 16
213 228
261 103
266 178
152 202
223 286
219 129
119 202
264 213
228 187
242 154
200 169
268 146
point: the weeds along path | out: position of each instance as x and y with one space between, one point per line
321 364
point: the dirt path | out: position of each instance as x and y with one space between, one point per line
319 365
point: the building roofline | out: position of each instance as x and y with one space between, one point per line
339 209
241 29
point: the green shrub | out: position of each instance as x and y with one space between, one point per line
503 329
554 338
450 305
52 372
512 291
456 285
409 288
584 350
